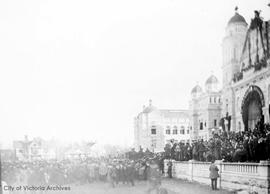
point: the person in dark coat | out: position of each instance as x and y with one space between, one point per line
217 149
170 169
195 151
201 150
213 175
130 173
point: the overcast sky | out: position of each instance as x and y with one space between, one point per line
82 70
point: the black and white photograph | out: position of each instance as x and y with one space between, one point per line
134 96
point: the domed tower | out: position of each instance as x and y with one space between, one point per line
232 46
211 84
196 92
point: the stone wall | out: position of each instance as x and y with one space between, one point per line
233 176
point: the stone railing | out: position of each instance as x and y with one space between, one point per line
233 176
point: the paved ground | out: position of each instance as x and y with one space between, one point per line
184 187
103 188
173 186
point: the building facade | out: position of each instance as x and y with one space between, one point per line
154 127
239 104
246 72
205 109
31 150
244 98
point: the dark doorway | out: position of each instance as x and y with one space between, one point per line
252 107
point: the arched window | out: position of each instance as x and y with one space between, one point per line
182 130
175 130
201 125
214 99
168 130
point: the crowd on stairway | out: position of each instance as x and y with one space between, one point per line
244 146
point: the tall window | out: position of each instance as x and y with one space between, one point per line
182 130
175 130
215 123
168 130
201 125
153 130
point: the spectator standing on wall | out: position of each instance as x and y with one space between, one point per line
213 175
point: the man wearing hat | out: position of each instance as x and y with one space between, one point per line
213 175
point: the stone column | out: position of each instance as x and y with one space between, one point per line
266 113
264 173
165 168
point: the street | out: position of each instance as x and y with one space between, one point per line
173 187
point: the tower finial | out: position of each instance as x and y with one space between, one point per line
236 9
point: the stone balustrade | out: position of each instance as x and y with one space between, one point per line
233 176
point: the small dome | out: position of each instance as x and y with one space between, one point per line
237 18
196 89
211 80
149 109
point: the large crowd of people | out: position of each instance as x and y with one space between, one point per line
114 171
245 146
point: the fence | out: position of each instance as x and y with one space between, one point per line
233 176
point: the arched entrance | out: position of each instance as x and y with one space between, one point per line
252 104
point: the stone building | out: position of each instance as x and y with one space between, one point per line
245 94
246 72
205 109
154 127
242 101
